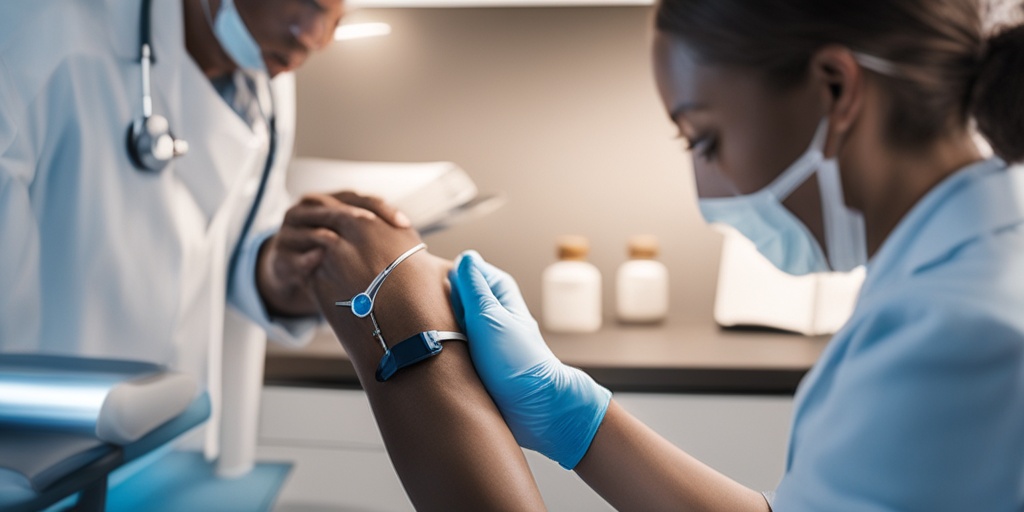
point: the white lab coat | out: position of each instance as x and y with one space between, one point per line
100 259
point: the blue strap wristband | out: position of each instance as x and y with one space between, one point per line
412 350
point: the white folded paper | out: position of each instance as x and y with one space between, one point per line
434 195
752 292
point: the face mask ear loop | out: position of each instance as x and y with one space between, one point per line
844 226
877 64
803 167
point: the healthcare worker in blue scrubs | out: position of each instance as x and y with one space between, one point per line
103 253
832 134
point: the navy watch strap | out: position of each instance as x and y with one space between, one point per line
413 350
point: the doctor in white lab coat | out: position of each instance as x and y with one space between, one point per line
99 258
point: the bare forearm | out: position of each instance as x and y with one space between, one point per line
447 440
445 437
634 468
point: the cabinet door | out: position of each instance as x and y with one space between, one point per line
341 463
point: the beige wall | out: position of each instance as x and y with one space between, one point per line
555 107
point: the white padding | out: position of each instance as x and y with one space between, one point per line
134 408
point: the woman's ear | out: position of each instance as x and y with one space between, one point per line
836 68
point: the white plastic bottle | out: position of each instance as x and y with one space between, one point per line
571 290
642 284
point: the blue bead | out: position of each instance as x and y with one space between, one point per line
361 305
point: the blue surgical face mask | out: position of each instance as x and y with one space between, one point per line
234 37
779 235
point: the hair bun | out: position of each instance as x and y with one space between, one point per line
998 94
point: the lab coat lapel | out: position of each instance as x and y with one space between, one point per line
223 148
228 150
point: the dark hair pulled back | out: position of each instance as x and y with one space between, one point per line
998 96
953 68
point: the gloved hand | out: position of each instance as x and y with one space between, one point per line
550 407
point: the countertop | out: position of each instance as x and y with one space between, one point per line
669 358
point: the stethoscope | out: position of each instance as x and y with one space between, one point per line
152 145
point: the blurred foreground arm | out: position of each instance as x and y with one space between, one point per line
443 433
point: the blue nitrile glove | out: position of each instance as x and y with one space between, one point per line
550 407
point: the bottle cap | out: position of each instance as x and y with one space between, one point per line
643 247
573 247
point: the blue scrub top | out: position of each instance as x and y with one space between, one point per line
918 402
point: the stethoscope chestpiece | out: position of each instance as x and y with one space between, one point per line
151 145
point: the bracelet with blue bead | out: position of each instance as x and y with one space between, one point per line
410 351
